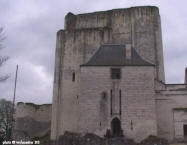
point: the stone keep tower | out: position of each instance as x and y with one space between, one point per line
136 28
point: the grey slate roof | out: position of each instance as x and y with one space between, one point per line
115 55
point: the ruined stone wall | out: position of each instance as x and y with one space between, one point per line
32 120
82 36
138 116
171 104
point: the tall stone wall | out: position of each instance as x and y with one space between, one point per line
139 26
32 120
82 36
138 114
57 85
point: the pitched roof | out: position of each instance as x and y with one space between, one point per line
115 55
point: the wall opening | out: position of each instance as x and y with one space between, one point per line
116 127
115 73
119 102
73 76
110 102
185 130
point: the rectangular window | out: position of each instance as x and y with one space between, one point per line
73 76
115 73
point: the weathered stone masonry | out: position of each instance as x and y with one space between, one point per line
81 38
32 120
109 78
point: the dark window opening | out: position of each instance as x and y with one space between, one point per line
115 73
116 127
120 102
131 125
185 130
110 102
73 77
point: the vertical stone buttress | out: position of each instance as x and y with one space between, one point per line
83 35
57 85
147 38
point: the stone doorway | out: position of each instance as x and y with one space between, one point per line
116 127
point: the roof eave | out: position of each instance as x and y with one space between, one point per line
85 65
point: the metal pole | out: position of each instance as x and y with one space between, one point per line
14 98
13 103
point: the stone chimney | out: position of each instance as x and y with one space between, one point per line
185 79
128 51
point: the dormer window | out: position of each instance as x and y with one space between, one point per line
115 73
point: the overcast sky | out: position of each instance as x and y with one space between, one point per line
31 25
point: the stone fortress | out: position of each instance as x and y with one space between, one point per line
109 78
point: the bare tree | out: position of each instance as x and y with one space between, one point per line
6 122
3 59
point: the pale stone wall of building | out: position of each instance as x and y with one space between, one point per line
170 104
148 105
76 53
139 26
83 35
32 120
138 116
57 85
179 120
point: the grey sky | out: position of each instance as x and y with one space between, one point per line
31 26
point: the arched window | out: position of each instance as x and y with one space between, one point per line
73 76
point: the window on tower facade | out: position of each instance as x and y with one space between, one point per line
115 73
73 76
